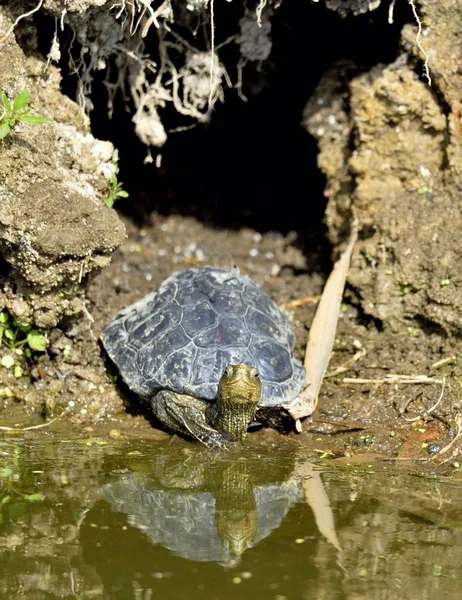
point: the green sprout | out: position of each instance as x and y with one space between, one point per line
15 335
115 189
405 290
12 114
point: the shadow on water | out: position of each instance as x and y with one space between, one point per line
121 520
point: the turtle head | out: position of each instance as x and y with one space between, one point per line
239 393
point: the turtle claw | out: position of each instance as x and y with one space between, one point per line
186 415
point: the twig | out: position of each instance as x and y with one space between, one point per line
4 428
443 362
347 365
403 458
406 379
413 379
84 262
456 437
432 408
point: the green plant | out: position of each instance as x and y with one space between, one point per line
12 114
15 335
114 186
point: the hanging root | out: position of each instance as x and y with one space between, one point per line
23 16
418 42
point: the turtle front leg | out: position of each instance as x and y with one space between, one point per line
187 415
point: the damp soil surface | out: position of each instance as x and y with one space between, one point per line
75 382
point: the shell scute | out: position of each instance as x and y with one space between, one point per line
198 317
228 332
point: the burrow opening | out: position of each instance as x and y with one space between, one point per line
253 165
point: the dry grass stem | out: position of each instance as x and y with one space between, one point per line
393 378
322 334
20 429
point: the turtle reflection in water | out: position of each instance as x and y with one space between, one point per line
207 350
207 509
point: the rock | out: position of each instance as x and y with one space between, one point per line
388 150
55 229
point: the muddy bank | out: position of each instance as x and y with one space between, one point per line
54 226
388 145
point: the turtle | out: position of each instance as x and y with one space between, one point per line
206 349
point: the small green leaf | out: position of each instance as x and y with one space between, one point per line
5 499
38 497
5 130
12 120
18 372
21 326
7 361
4 101
21 100
122 194
36 119
3 317
36 340
9 334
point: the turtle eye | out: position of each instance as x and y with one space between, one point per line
229 371
254 373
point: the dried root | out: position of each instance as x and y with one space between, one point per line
112 38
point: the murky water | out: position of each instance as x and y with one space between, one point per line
100 518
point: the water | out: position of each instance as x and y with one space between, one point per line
113 519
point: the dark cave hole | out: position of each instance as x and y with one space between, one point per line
5 269
252 165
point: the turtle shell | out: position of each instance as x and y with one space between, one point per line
182 336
